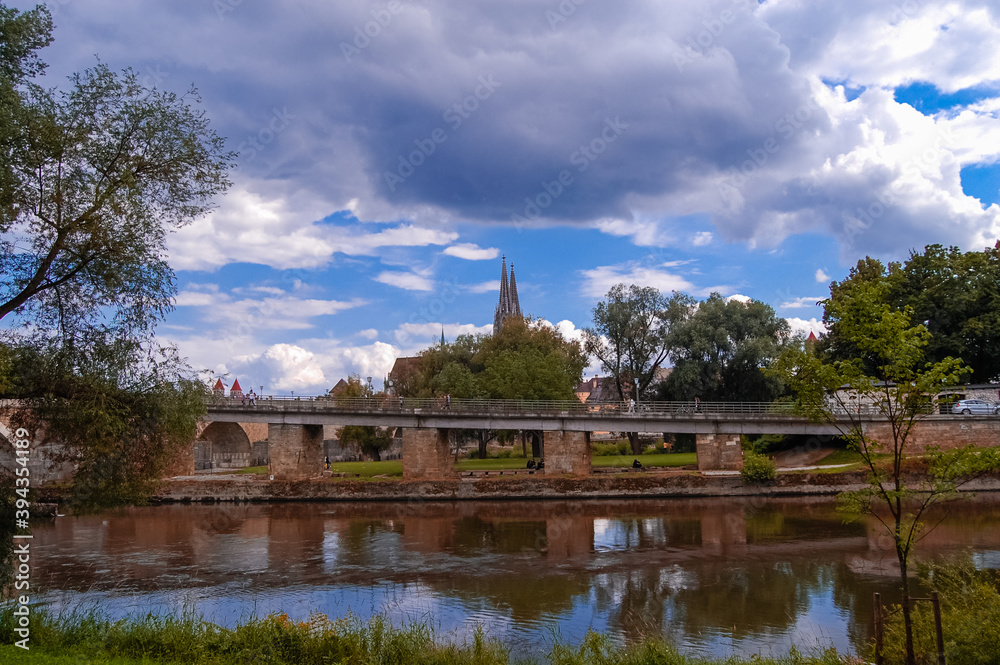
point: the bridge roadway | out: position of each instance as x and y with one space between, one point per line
572 416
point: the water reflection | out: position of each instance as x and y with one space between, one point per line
713 575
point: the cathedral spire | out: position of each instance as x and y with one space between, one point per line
508 304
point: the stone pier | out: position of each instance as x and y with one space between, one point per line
426 454
719 452
295 451
567 452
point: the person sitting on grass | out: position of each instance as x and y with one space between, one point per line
531 463
636 464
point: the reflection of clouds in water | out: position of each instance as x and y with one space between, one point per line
331 546
676 577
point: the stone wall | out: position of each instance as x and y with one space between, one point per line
946 433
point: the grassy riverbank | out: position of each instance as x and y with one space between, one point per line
277 640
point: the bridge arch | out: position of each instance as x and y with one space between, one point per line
223 446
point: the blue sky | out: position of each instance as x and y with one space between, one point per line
392 151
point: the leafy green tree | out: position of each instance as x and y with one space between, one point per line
93 178
631 337
121 413
894 384
721 350
372 441
955 295
526 360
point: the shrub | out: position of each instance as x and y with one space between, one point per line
970 616
611 449
757 468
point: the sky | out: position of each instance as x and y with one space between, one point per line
392 151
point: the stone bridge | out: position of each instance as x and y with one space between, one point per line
295 427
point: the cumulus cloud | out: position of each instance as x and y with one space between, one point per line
410 281
806 326
273 309
799 303
598 281
471 252
667 120
821 276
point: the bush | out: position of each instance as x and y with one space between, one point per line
612 449
970 616
758 469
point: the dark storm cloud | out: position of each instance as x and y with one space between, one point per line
517 93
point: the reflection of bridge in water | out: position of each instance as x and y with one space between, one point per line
294 427
531 557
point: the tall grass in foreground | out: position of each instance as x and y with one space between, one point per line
277 640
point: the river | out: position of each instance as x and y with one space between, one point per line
715 576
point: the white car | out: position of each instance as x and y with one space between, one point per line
978 406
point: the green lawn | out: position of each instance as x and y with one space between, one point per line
657 460
253 469
369 469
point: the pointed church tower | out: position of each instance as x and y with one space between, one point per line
508 305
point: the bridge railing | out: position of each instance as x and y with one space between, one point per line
388 404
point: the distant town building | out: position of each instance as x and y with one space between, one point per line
236 391
219 389
508 306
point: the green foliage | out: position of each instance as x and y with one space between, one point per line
598 449
955 295
883 367
757 468
276 640
631 333
122 412
721 350
527 360
970 617
372 441
94 177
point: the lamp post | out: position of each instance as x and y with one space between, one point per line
636 379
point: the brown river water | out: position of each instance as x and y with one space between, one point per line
715 576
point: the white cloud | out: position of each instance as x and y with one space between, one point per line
739 297
409 281
598 281
799 303
471 252
805 326
369 333
418 336
491 286
701 239
821 276
278 311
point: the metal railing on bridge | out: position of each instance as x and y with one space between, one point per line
500 406
442 405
